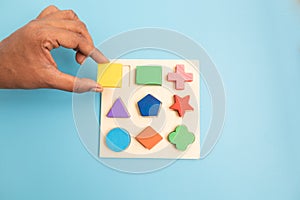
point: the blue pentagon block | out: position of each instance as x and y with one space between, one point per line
149 106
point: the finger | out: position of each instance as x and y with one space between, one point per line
63 14
85 85
98 56
70 83
71 40
68 39
79 27
71 25
49 10
75 26
80 57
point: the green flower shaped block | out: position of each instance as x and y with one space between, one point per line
181 137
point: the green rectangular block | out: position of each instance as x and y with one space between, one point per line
148 75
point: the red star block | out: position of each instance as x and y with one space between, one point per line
181 105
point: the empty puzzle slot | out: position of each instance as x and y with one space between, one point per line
126 75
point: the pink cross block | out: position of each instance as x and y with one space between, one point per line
179 77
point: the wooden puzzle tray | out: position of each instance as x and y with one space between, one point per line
150 109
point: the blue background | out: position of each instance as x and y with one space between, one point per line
255 45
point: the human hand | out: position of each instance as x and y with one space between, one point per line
26 61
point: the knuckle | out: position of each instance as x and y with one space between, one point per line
82 25
77 86
33 24
79 36
52 7
71 14
81 28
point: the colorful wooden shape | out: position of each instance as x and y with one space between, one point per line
110 75
118 110
149 106
148 75
181 137
180 77
117 139
148 137
181 105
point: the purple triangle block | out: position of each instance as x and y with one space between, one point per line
118 110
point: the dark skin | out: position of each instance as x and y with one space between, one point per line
26 61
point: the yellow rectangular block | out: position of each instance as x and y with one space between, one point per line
110 75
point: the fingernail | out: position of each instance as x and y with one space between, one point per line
99 86
97 90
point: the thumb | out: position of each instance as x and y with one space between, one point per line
70 83
85 85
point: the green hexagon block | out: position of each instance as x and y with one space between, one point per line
181 137
148 75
